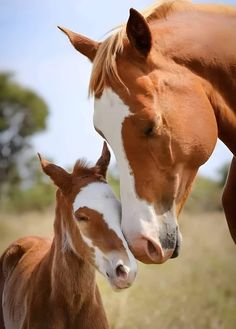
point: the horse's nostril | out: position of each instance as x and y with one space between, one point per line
148 251
152 250
122 272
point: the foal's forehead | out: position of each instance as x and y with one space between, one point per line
98 202
98 196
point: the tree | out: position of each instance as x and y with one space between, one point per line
22 114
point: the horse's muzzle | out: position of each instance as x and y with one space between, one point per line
172 241
149 251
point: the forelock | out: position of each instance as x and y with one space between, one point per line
83 168
104 64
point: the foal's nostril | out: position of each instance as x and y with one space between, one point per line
122 272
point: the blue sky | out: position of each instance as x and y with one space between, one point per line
41 57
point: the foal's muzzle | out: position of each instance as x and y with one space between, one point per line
121 276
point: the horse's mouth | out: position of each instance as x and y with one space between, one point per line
176 251
177 245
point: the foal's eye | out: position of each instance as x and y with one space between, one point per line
81 217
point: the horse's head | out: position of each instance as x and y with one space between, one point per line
97 212
160 125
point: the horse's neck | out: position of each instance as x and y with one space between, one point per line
73 278
205 43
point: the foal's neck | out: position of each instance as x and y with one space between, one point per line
73 278
204 42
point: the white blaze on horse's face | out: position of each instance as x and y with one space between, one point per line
98 214
143 227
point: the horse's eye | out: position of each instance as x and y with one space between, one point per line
150 130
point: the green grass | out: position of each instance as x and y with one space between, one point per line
197 290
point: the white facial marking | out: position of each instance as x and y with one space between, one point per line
99 257
100 197
67 243
138 216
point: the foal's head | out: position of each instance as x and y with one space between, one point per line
94 214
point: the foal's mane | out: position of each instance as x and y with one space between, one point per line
105 60
83 168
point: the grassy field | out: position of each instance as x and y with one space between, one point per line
195 291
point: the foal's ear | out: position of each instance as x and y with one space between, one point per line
138 32
104 160
59 176
84 45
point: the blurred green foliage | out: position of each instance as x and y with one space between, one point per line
38 197
114 182
22 114
205 196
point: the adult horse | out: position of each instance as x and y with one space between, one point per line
165 89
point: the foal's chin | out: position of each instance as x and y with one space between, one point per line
122 277
119 286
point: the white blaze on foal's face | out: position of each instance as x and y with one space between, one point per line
98 212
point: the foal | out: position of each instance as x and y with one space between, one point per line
51 284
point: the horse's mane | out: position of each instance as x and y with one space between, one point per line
105 60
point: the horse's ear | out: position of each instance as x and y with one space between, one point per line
104 160
138 32
84 45
59 176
